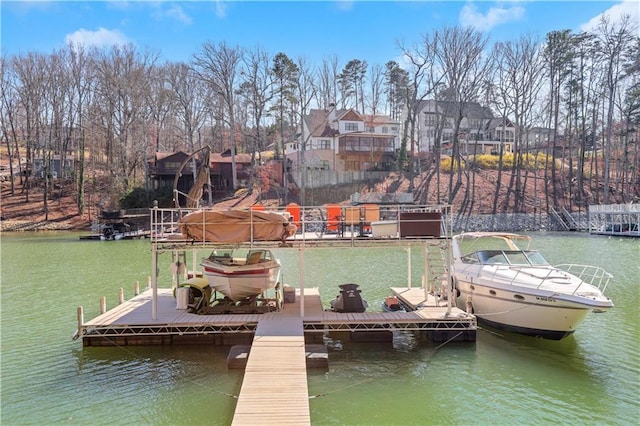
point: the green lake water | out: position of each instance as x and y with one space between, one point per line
591 377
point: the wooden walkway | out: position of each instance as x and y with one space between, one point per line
274 389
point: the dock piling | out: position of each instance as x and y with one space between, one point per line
120 296
103 305
80 319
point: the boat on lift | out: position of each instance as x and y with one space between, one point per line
239 277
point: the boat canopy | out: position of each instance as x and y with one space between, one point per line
236 226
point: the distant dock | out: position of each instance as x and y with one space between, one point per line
622 220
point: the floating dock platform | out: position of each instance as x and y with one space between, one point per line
131 323
277 344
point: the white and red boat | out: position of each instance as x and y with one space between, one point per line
238 277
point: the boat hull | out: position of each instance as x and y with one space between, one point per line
241 282
519 310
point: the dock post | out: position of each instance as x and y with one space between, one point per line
121 296
136 288
154 297
80 320
103 304
301 266
409 267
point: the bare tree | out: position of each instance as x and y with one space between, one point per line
517 83
80 64
376 82
30 87
189 102
124 85
306 88
461 54
327 90
615 41
257 90
217 65
8 112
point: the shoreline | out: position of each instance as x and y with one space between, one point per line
18 225
505 222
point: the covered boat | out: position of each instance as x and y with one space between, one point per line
236 226
240 277
517 290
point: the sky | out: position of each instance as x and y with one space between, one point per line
315 30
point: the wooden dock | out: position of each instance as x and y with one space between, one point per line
274 388
132 323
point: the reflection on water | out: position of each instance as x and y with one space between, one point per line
591 377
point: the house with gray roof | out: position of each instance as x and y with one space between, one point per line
480 132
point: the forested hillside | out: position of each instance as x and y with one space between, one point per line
108 110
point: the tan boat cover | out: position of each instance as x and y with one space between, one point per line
236 226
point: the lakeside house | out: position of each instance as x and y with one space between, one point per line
163 167
479 133
344 141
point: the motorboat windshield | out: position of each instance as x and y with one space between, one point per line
506 257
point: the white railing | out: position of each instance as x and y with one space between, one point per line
588 274
331 222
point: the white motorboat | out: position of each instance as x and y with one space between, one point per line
240 277
517 290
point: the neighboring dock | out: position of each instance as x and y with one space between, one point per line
622 220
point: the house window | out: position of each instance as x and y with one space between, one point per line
171 165
351 166
430 119
351 127
324 144
324 165
385 129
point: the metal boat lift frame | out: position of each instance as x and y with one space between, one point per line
165 237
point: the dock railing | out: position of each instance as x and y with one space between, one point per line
356 225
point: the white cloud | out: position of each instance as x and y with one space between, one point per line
496 15
99 38
176 12
172 11
345 5
615 13
221 9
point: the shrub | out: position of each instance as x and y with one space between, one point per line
445 164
